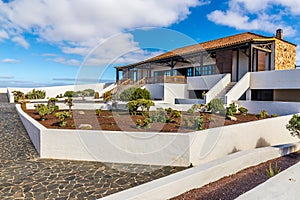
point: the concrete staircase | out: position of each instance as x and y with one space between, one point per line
222 94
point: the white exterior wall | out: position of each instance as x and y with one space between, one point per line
172 91
283 79
203 82
243 64
156 90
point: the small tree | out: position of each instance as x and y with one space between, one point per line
42 110
140 94
294 125
69 102
126 94
217 106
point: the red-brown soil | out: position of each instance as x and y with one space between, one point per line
122 121
231 187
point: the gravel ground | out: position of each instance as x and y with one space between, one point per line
23 175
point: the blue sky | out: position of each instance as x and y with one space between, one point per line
56 42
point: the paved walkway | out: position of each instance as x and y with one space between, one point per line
24 176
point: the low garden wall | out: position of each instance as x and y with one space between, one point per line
272 107
172 149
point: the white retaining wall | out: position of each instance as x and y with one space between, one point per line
172 91
56 90
196 177
173 149
272 107
215 143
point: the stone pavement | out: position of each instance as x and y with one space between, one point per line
24 176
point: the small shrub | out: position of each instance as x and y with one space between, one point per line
170 120
274 115
147 123
217 106
160 115
243 110
176 114
198 123
42 110
191 111
59 96
169 110
96 96
263 114
98 111
52 101
63 117
187 122
69 102
35 94
126 94
143 104
294 125
140 94
18 95
70 94
272 172
88 92
231 109
138 123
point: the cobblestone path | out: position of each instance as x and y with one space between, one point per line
24 176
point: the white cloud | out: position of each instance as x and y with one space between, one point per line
10 60
79 23
254 15
21 41
3 35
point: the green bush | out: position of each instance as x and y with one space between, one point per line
169 110
18 95
70 94
198 123
35 94
88 92
52 102
160 115
143 104
294 125
243 110
138 123
69 102
217 106
187 122
231 110
176 114
140 94
43 110
98 111
126 94
274 115
63 117
147 123
263 114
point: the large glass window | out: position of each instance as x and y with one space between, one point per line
189 72
197 71
209 70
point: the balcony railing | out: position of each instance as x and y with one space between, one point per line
166 79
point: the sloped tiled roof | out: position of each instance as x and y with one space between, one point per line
209 45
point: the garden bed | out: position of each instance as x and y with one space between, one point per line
231 187
122 121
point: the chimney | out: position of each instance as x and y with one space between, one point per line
279 34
